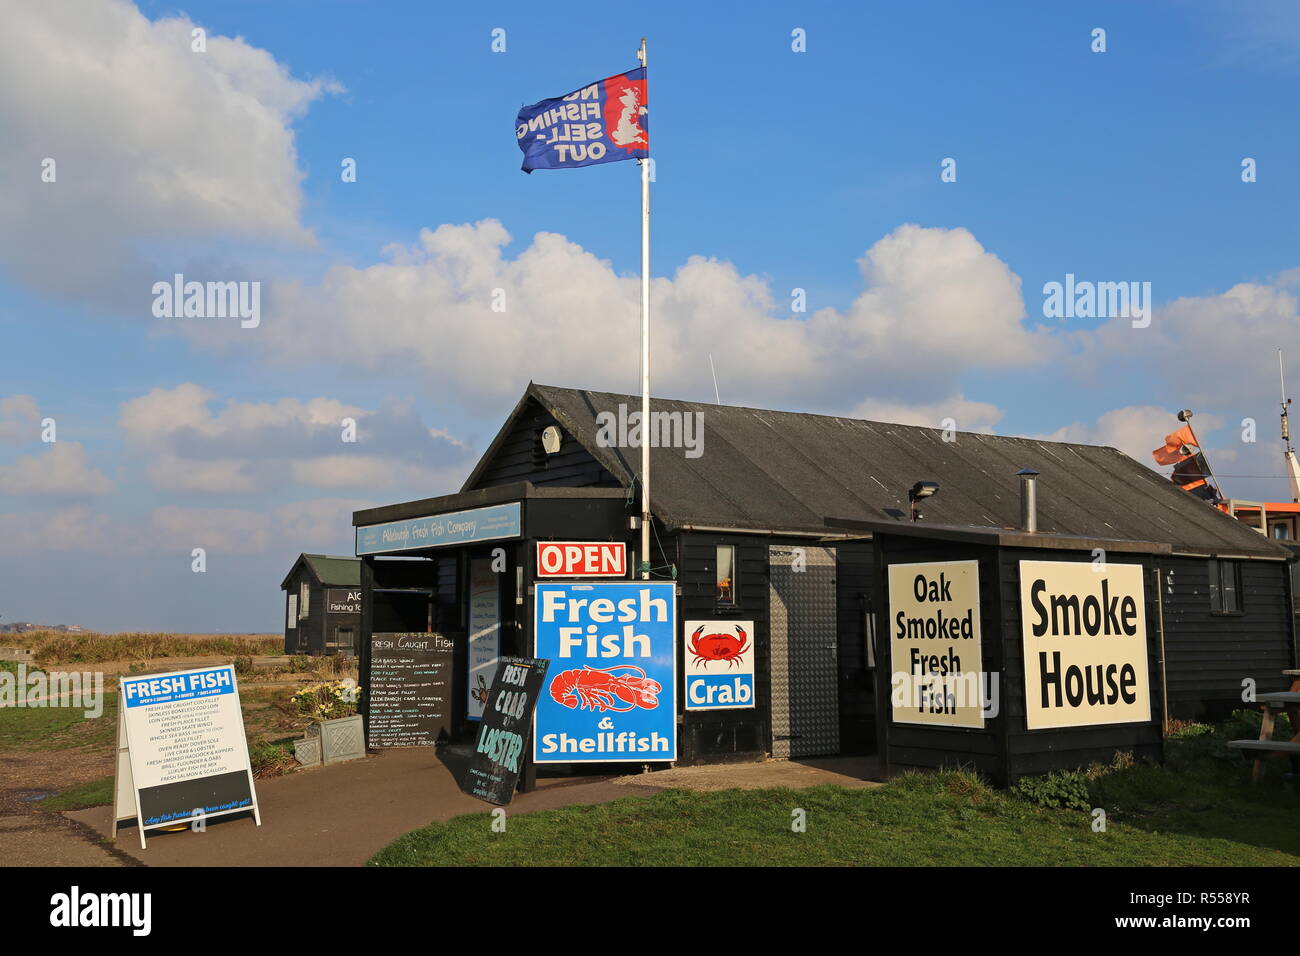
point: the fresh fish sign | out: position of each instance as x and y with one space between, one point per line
719 669
611 693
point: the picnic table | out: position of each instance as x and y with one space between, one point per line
1273 704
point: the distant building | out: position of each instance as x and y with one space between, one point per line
322 605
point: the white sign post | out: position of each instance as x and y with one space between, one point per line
182 752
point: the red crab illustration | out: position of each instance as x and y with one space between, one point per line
597 688
719 647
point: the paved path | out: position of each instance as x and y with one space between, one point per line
343 814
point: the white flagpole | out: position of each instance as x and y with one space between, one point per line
645 347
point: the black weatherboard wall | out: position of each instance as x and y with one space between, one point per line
771 479
1005 749
316 629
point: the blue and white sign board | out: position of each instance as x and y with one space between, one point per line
436 531
719 669
182 749
611 688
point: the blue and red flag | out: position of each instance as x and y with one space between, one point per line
604 122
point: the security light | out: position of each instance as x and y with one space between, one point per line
922 489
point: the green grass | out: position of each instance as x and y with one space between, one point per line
57 728
97 793
1204 813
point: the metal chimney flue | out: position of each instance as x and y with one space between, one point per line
1028 500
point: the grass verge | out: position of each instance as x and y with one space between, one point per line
1198 810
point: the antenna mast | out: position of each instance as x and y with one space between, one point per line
1288 453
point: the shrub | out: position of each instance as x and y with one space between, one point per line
243 666
270 759
1060 788
329 700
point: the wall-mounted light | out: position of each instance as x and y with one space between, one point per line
920 490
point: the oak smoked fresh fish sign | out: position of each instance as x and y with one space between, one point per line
1085 644
936 664
611 688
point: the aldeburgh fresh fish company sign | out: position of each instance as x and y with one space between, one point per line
434 531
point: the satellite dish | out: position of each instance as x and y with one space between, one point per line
551 439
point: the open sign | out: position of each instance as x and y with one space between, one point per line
581 559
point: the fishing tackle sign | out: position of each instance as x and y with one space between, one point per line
611 691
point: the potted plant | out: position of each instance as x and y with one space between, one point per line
336 728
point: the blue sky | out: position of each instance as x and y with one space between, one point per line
775 170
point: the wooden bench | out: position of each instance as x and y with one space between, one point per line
1288 701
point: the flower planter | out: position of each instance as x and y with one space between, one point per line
341 739
307 751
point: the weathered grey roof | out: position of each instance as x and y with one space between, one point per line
791 471
331 570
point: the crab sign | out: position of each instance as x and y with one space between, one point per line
719 647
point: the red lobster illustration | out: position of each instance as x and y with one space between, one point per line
719 647
597 688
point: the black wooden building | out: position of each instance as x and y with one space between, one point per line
793 520
322 604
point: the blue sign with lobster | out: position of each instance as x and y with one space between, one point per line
611 692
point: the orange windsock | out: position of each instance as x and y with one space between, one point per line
1172 452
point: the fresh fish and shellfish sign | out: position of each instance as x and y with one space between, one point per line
611 689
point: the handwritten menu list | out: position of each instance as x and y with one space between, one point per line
410 689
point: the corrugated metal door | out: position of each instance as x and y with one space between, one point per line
805 701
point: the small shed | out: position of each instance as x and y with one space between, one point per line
322 605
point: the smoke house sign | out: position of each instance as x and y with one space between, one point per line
1085 644
936 665
409 704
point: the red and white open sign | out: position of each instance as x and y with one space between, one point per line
581 559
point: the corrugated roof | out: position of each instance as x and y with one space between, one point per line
791 471
336 571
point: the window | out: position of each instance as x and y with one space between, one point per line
304 595
726 574
1225 587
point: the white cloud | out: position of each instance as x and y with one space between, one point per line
1209 351
243 447
20 420
152 142
970 416
1135 430
77 529
182 416
373 472
933 296
222 476
62 469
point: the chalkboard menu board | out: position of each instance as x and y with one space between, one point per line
499 752
409 701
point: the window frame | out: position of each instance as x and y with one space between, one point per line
734 600
1219 593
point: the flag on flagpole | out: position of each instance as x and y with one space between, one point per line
1173 450
604 122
